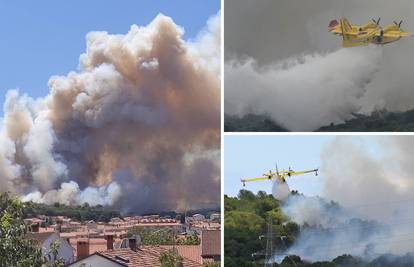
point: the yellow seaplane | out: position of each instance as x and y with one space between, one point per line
369 33
278 175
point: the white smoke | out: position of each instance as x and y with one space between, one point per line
377 179
302 93
373 186
268 32
280 191
120 130
313 211
70 194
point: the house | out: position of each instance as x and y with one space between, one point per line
199 217
140 257
215 216
210 245
46 239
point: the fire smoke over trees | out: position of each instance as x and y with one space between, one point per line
373 185
282 62
137 126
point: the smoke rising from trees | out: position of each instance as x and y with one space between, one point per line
264 37
372 189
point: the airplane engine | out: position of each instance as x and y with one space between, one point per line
379 39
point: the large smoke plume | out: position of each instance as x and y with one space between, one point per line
373 186
302 93
264 38
137 126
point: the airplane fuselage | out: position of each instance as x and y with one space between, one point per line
369 33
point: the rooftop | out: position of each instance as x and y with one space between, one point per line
144 256
210 243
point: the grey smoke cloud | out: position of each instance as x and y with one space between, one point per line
372 178
329 231
269 33
373 186
302 93
145 104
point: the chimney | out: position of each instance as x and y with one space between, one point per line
82 248
34 227
132 244
109 242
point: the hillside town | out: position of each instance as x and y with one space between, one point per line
128 241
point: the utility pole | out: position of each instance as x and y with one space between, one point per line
269 261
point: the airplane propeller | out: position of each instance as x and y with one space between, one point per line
398 24
377 21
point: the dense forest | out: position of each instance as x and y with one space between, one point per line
251 123
245 224
379 121
80 212
246 227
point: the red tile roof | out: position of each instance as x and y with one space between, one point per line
191 252
95 244
144 256
210 243
39 237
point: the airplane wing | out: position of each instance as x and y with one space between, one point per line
302 172
338 30
255 179
396 34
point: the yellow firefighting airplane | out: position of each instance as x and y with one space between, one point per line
278 175
369 33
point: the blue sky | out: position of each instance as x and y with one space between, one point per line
251 156
45 38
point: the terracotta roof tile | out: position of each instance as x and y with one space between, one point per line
191 252
210 243
39 237
95 244
144 256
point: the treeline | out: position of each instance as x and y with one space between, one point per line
387 260
378 121
81 213
97 213
245 231
245 227
251 123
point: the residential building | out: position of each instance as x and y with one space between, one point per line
46 239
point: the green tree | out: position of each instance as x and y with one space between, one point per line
54 251
171 259
15 250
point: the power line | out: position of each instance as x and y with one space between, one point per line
269 244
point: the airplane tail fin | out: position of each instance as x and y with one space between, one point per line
333 24
345 25
346 28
